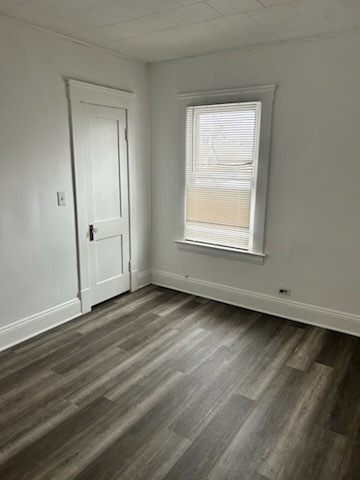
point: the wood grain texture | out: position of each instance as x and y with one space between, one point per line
167 386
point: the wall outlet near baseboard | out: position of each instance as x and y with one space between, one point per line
284 291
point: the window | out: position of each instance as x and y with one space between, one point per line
221 165
226 146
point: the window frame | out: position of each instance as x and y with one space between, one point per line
264 94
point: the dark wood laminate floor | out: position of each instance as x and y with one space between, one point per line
164 385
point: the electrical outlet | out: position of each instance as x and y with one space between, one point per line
284 291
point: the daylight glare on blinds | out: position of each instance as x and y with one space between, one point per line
222 143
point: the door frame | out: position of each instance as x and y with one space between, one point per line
79 92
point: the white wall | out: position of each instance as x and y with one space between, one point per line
312 233
312 226
38 259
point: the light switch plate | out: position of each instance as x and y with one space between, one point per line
61 199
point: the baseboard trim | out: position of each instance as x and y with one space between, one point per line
29 327
300 312
311 314
144 279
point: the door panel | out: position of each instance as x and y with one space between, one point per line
105 167
107 200
109 259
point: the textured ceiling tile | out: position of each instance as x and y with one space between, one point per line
234 22
270 3
232 7
38 10
343 18
139 26
244 39
332 29
98 36
263 39
202 29
131 52
196 13
157 38
276 13
227 45
267 28
244 22
147 7
355 4
307 21
143 47
297 34
102 16
309 7
5 4
188 2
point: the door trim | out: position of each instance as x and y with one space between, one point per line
79 92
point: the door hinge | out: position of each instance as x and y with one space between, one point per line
126 135
129 265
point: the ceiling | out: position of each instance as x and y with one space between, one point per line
155 30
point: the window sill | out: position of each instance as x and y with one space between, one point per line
224 252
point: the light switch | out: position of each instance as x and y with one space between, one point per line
61 199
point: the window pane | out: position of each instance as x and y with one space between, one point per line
222 143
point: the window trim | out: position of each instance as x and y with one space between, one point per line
264 94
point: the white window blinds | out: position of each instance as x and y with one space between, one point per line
222 143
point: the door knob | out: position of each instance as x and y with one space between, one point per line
92 230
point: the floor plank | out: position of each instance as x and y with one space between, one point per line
207 448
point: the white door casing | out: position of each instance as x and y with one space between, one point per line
100 117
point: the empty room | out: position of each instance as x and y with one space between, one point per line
179 240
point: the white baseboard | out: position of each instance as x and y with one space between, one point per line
301 312
86 300
139 279
134 280
144 279
41 322
311 314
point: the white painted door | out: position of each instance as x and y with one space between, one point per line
106 183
